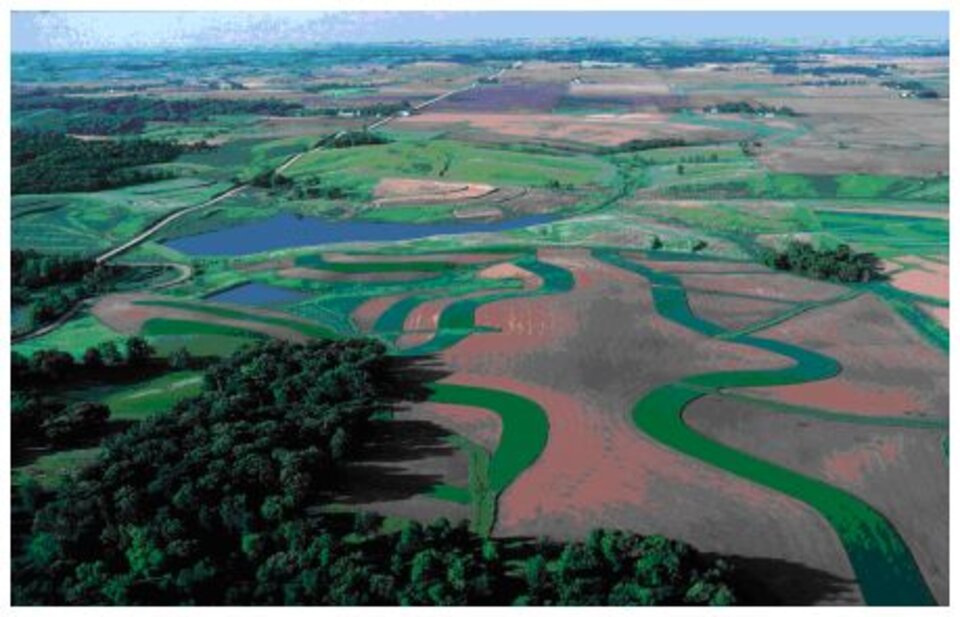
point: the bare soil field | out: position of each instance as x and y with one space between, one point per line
882 135
888 370
405 191
926 278
733 313
504 98
773 286
900 472
597 129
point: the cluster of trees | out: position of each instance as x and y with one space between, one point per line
41 417
350 139
912 89
744 107
53 367
130 114
175 508
318 188
208 504
56 163
38 420
836 264
49 284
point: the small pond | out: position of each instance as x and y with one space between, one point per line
258 294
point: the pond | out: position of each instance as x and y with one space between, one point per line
258 294
289 230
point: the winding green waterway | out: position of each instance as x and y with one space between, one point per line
885 569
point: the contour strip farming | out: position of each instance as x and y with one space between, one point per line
885 568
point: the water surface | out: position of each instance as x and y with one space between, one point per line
289 230
258 294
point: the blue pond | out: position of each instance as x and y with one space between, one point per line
257 294
288 230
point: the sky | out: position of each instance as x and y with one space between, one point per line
59 31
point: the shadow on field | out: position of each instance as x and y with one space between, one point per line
777 582
385 467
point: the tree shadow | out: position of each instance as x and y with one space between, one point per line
28 452
384 466
409 378
765 581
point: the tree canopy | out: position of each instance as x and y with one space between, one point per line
216 502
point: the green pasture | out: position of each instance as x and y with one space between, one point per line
243 159
876 188
739 218
73 337
363 166
49 470
158 395
93 222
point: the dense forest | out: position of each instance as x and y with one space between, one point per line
47 285
216 502
56 163
836 264
130 114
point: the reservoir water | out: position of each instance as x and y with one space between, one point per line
289 230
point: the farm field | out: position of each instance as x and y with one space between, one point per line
697 293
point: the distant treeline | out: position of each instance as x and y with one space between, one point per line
639 145
744 107
789 68
56 163
218 502
130 114
345 85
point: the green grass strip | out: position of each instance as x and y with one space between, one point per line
306 329
523 434
367 267
447 492
161 326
